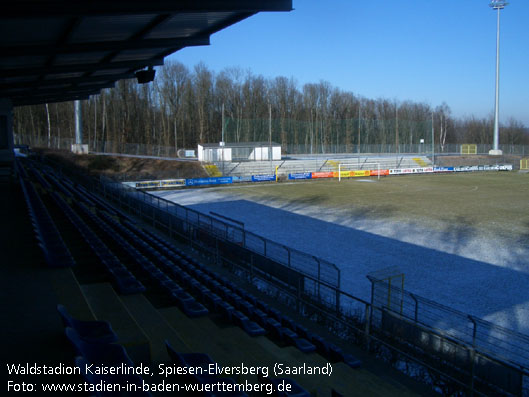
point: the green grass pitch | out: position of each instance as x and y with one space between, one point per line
495 202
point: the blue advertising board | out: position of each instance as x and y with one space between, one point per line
242 178
300 175
263 178
443 169
209 181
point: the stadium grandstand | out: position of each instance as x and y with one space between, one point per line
302 164
94 298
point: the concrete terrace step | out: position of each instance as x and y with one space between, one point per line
322 164
228 346
231 346
107 305
155 327
70 294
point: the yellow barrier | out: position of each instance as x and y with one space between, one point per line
524 164
212 170
360 173
420 161
351 174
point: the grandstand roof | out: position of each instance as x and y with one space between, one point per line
57 50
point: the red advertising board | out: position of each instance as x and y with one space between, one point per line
379 172
322 175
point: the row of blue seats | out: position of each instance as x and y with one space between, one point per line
236 305
286 329
164 280
94 342
36 175
203 360
177 266
125 281
186 303
226 297
221 295
183 299
113 230
56 253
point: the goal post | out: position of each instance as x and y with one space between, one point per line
348 168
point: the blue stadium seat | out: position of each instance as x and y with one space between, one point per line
224 309
129 285
181 297
259 316
304 345
211 299
250 327
194 309
338 354
98 353
89 331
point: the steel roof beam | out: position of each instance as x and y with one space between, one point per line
91 67
28 8
103 46
43 93
76 80
138 36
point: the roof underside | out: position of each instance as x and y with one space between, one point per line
52 51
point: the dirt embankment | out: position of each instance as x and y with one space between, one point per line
126 168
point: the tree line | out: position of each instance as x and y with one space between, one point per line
183 107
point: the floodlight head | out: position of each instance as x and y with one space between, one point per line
145 76
498 4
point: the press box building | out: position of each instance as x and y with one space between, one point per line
247 151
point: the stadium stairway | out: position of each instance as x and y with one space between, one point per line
107 306
155 326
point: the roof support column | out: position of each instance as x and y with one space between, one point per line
7 156
78 147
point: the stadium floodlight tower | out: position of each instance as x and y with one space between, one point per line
497 5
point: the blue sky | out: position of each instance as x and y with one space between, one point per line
422 50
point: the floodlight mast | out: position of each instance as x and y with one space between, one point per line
497 5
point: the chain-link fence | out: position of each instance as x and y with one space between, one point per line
190 221
406 314
289 149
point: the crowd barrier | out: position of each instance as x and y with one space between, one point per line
169 183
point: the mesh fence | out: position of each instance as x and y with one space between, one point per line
488 338
329 136
288 147
318 269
